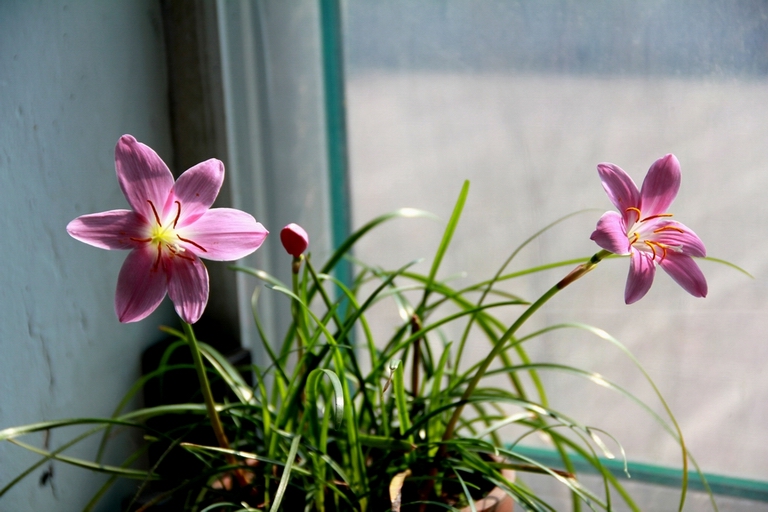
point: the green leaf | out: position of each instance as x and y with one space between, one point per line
434 396
286 474
228 373
312 385
402 405
448 234
100 468
354 237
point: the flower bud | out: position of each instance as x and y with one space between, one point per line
294 239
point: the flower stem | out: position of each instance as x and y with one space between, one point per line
500 344
295 309
210 405
415 327
296 264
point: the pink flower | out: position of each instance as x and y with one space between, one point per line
170 226
294 239
644 230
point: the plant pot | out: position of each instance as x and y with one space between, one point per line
497 500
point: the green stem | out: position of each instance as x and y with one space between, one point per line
296 264
500 344
415 327
210 405
295 310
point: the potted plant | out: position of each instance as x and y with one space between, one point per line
337 420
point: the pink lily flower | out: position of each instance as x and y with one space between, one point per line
170 226
644 230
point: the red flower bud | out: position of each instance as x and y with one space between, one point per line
294 239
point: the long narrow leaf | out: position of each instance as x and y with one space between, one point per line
100 468
286 474
450 229
354 237
313 380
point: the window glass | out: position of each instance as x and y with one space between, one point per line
524 99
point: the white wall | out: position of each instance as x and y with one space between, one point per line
74 76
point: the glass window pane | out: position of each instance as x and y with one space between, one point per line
524 99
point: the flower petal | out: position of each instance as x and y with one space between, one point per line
679 236
115 229
225 234
611 234
684 270
196 189
142 174
640 278
620 188
188 288
141 286
660 186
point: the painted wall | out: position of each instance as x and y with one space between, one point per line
74 76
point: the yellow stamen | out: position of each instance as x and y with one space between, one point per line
669 228
655 216
664 252
164 238
650 244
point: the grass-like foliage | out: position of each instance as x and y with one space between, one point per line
337 420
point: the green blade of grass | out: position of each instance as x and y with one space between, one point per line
286 474
450 229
